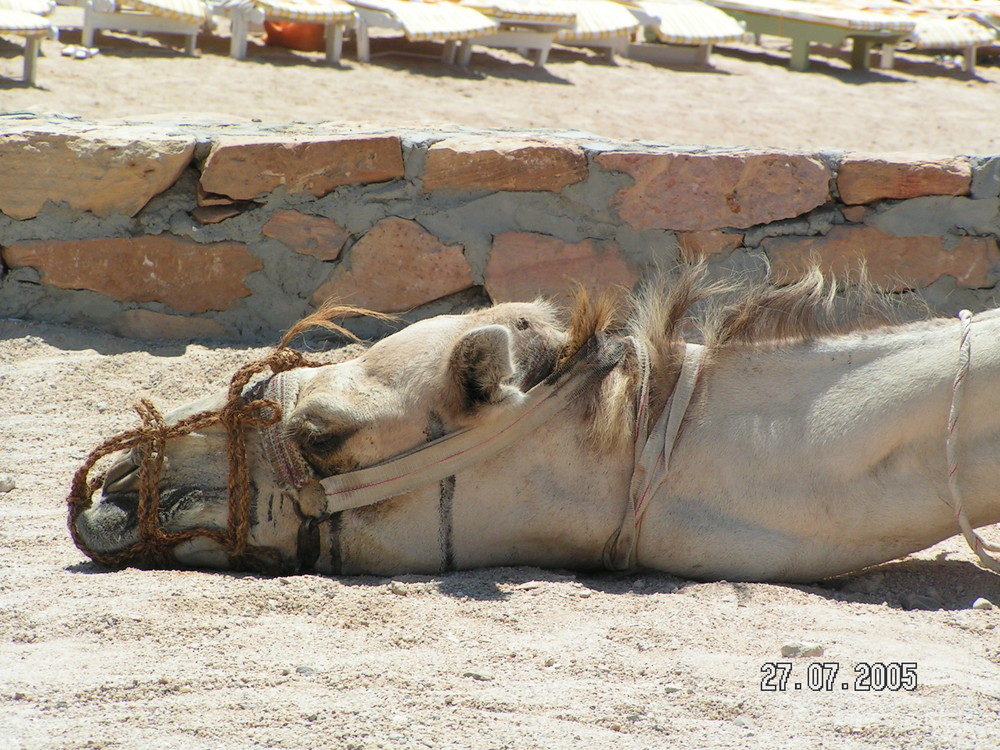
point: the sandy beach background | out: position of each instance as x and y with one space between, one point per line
746 96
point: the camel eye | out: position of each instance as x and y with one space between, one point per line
522 324
325 443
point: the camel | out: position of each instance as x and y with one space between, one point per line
747 432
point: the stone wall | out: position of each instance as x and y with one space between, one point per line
207 229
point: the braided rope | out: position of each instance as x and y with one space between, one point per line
148 443
973 539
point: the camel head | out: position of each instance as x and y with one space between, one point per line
432 378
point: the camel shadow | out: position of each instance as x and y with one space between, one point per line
903 585
939 584
928 585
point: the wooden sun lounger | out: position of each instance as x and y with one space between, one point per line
933 29
806 22
986 12
528 26
37 7
183 17
535 24
456 26
681 31
601 24
33 28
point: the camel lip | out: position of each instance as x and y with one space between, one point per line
120 478
111 524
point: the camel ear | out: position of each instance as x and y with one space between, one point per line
480 363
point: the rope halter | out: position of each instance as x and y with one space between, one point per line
148 443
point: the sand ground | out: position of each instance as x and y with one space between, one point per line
500 658
747 96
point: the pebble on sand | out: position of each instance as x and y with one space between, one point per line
796 649
398 588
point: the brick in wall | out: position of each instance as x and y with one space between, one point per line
693 192
310 235
863 179
696 246
245 169
147 324
502 164
184 275
100 172
396 266
524 265
893 263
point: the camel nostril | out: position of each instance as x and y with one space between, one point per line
122 476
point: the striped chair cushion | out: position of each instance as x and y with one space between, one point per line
932 29
971 7
23 24
529 11
950 33
597 20
824 15
38 7
185 11
307 11
433 22
689 22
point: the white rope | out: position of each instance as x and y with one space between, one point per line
974 541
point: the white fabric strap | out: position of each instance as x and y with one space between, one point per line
653 456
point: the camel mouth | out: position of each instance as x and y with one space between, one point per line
120 477
111 525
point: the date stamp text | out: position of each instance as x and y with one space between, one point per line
781 676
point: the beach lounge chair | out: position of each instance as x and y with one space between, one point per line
806 22
528 26
452 24
38 7
600 24
987 12
934 30
681 31
184 17
532 25
335 15
33 28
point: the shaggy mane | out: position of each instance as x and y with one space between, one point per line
688 307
